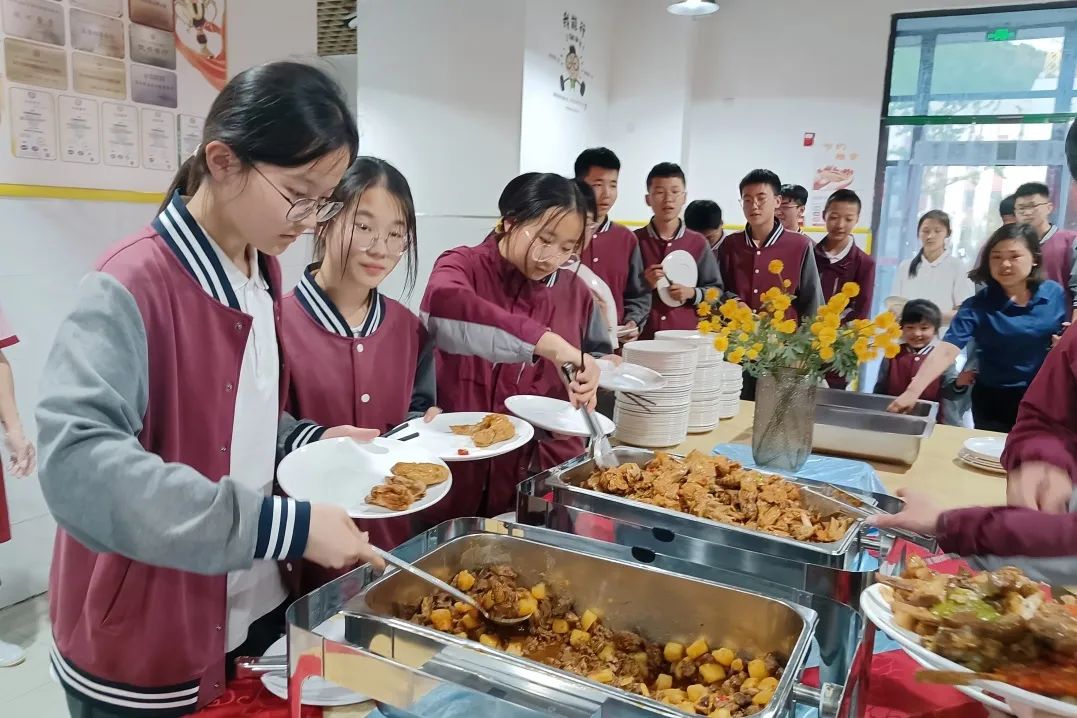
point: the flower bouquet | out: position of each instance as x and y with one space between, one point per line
790 359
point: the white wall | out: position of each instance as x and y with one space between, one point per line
439 97
46 246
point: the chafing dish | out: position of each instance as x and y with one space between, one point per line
409 666
881 436
566 482
825 396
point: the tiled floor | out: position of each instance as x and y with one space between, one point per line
26 691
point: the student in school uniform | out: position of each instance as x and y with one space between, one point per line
21 455
1033 206
667 233
505 317
705 216
1006 210
920 322
1013 320
840 261
792 201
934 273
356 356
160 416
613 253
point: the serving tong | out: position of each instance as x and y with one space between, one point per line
599 448
829 500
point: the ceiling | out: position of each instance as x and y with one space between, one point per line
334 35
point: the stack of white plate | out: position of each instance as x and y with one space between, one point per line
658 418
704 411
732 383
984 453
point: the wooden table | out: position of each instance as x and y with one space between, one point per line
937 470
952 483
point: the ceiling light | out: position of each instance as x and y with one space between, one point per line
693 8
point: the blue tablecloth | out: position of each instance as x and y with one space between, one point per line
840 472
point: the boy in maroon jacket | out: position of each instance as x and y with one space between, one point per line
839 259
613 254
667 233
1033 206
792 201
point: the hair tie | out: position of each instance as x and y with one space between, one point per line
500 227
194 153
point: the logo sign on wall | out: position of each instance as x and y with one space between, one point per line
573 74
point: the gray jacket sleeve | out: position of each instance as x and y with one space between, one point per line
883 378
113 495
810 296
637 298
597 340
709 275
424 394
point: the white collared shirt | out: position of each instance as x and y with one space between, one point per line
841 253
945 282
254 592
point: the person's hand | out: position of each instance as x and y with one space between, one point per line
1056 338
21 450
1039 485
631 332
431 414
363 436
583 391
966 378
903 404
652 274
334 540
920 514
681 293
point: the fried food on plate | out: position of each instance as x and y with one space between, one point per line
391 496
415 486
493 429
429 474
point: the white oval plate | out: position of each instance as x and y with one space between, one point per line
986 447
316 691
877 610
342 472
632 378
681 268
554 415
437 437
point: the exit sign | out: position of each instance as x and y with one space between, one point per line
1002 34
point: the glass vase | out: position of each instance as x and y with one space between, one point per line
784 419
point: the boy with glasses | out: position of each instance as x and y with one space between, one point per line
667 233
792 200
1033 206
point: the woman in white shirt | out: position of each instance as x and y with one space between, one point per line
934 273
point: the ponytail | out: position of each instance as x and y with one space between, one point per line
914 265
942 218
187 179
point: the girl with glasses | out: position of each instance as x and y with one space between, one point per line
161 417
356 356
505 316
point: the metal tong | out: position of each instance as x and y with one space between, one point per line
828 500
600 449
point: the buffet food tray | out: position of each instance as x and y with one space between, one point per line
409 666
867 434
566 483
877 403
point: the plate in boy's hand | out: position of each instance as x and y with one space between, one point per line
356 476
438 436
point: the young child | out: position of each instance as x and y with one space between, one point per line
839 259
613 253
793 200
21 455
920 322
667 233
1033 206
705 216
356 356
160 415
492 309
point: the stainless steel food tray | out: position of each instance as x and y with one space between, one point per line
893 438
825 396
565 481
408 666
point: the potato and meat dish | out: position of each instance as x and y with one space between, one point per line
720 489
995 622
697 678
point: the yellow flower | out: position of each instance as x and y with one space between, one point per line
758 346
711 295
752 354
744 314
776 266
787 283
729 308
787 327
838 303
720 344
704 326
850 289
827 336
884 320
816 327
892 351
703 309
743 337
781 303
826 353
832 320
736 356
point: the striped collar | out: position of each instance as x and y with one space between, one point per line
653 231
605 226
1050 233
195 251
923 352
775 235
324 312
552 279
